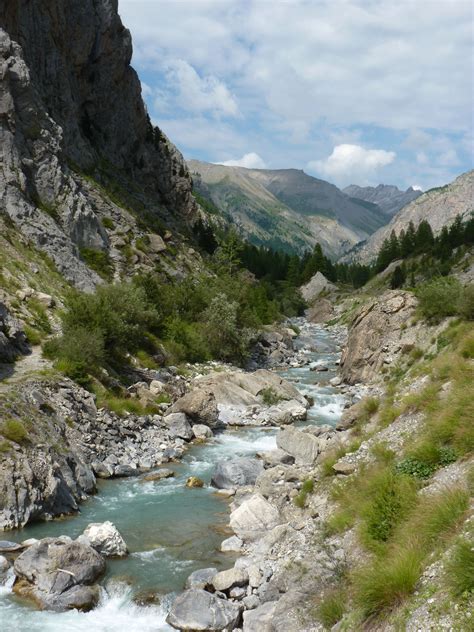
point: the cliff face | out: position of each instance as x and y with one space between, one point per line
71 104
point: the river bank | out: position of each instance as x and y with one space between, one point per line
176 529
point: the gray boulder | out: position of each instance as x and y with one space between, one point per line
197 610
199 405
236 472
59 574
225 580
254 517
303 446
260 618
105 538
200 578
201 431
179 426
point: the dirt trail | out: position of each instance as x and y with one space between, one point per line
24 367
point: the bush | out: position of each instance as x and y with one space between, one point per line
306 488
99 261
439 298
466 303
14 430
269 396
460 569
78 353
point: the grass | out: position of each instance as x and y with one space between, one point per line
384 583
306 488
331 608
33 335
460 569
14 430
5 446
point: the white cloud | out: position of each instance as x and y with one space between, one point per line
352 163
200 94
416 187
249 161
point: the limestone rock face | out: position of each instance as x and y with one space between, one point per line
59 574
12 338
377 334
105 538
197 610
70 103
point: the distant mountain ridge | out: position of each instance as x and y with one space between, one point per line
287 208
439 206
389 198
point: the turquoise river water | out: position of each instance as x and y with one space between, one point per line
170 530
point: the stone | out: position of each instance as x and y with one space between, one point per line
8 547
158 475
225 580
199 404
59 574
200 578
156 387
106 539
231 545
236 472
317 284
179 426
156 243
254 517
4 565
335 381
271 458
45 299
343 467
197 610
260 618
201 431
194 481
250 602
123 470
303 446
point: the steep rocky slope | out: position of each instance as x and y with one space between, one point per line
438 206
388 198
75 135
287 208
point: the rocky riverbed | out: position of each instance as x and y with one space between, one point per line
289 418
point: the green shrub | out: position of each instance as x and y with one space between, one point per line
460 569
269 396
78 353
108 222
466 303
439 298
99 261
331 608
371 405
33 335
14 430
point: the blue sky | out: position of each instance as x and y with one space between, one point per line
361 92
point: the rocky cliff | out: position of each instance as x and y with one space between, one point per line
388 198
72 116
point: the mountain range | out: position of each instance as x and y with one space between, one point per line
387 197
287 208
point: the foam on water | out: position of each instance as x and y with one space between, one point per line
116 612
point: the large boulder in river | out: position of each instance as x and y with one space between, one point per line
197 610
236 472
254 517
201 578
105 538
59 574
304 447
199 405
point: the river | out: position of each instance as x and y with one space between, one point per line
170 530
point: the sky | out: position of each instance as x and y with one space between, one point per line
352 91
